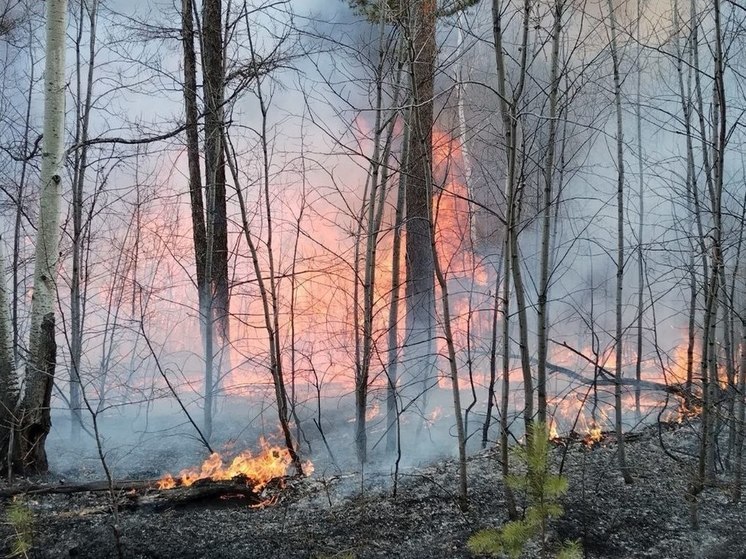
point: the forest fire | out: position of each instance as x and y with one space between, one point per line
318 300
315 309
256 470
590 436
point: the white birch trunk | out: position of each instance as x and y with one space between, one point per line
47 239
35 424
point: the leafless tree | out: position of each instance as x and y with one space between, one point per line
33 422
619 137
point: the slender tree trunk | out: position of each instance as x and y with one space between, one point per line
621 454
83 114
728 395
293 302
8 374
520 303
509 113
719 141
641 217
455 389
216 275
505 385
267 288
493 362
706 450
270 324
197 206
740 419
542 309
735 395
392 358
692 197
376 194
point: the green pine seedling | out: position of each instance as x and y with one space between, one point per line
543 491
21 519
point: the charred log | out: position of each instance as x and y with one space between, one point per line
145 493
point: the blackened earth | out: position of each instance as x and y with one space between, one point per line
341 515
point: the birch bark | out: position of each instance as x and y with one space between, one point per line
34 424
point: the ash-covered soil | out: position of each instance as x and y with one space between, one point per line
345 516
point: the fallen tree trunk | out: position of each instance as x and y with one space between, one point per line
146 493
608 377
604 380
62 488
202 492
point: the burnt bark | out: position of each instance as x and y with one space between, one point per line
30 456
197 205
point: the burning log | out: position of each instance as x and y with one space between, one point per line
147 493
249 479
271 463
593 439
238 491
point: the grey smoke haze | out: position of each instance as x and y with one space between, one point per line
320 105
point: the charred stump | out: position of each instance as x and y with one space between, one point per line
29 455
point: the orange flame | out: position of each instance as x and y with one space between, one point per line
259 470
593 436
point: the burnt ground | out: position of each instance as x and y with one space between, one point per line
343 516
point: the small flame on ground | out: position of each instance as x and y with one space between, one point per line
687 411
553 433
593 436
434 415
271 463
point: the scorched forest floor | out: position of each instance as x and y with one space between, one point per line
334 514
